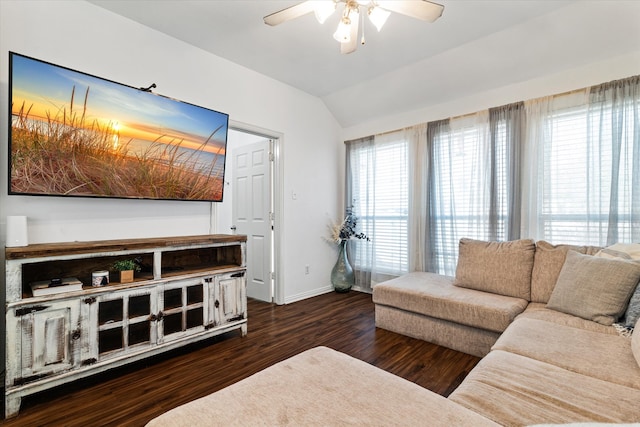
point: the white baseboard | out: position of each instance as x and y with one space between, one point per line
309 294
320 291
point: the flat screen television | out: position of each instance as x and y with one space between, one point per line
74 134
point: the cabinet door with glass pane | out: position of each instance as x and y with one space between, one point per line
122 322
183 308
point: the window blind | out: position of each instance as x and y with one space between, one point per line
579 175
381 199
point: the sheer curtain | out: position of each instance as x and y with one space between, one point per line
418 205
378 188
564 168
459 196
614 126
360 190
584 178
386 177
440 189
507 130
551 173
533 183
474 181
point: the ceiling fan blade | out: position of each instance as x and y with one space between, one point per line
419 9
352 45
289 13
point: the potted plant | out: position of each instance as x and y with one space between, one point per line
126 267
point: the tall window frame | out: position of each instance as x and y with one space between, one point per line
587 174
378 190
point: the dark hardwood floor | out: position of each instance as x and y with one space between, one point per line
132 395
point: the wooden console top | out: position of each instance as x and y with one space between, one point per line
67 248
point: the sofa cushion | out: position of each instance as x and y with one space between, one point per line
502 268
577 350
467 339
540 311
548 262
434 295
515 390
321 387
594 288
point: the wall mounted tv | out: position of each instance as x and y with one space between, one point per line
74 134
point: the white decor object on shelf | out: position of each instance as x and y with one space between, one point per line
17 231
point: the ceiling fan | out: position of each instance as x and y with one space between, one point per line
347 31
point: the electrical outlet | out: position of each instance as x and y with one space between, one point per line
306 269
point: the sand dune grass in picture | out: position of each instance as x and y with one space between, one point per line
109 140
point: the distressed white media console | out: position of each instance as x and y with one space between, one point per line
188 289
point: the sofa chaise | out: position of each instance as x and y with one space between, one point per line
554 325
494 283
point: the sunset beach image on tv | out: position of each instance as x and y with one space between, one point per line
73 134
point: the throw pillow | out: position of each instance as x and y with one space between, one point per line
594 288
498 267
626 251
621 250
548 262
632 314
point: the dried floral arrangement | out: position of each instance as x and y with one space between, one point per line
346 230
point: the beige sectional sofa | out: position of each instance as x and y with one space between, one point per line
540 316
550 351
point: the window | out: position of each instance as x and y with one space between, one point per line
571 175
380 195
586 176
468 189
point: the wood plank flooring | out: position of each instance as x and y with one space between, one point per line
132 395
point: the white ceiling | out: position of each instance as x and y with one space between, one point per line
475 46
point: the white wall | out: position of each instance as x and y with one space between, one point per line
87 38
568 80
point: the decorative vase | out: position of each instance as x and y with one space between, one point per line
342 276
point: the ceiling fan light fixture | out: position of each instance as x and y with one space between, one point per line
350 25
323 9
343 32
378 16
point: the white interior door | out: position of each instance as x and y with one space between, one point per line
252 214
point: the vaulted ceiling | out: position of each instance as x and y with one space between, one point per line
475 46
